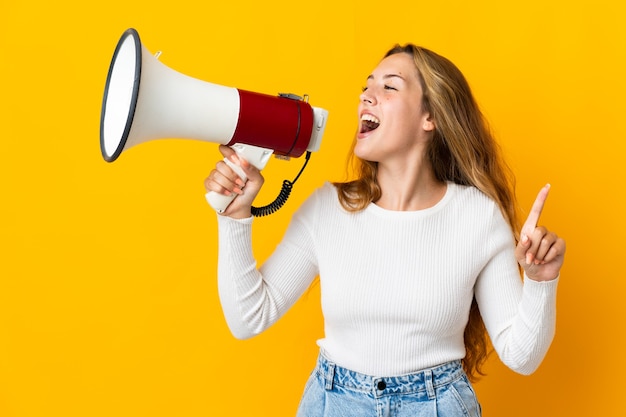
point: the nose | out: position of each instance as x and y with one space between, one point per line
367 97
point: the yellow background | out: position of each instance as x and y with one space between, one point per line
108 301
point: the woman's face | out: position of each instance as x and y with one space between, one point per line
392 123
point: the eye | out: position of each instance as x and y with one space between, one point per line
363 89
388 87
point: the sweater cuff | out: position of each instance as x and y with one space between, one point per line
539 297
541 286
223 220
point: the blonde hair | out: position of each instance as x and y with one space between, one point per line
462 150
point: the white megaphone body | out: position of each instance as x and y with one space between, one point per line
145 100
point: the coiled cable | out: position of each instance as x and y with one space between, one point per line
285 191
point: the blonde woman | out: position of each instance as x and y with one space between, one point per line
418 258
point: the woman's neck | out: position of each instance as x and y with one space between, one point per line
409 187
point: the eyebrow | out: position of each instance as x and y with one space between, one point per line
387 76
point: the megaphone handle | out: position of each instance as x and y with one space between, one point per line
220 201
256 155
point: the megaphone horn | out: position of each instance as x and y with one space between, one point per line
145 100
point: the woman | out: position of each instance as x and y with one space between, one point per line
413 256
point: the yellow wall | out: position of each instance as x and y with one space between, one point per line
108 302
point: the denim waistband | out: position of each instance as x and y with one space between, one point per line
425 380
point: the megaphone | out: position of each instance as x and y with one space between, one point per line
145 100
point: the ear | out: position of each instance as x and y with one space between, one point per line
428 123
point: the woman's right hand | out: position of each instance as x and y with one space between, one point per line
224 180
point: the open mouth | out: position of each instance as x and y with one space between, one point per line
369 123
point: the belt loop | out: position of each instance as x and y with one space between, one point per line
428 380
329 375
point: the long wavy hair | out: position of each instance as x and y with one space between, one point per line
462 150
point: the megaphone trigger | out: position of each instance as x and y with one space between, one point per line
237 169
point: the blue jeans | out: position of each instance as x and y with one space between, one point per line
442 391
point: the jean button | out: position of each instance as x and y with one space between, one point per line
381 385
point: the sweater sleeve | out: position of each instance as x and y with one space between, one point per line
520 316
253 298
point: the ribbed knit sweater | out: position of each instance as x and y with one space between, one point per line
396 286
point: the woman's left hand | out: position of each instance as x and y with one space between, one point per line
539 251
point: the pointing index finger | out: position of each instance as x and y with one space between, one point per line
535 211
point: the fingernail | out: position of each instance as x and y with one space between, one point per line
239 182
529 258
524 239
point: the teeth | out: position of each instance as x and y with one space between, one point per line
369 122
370 118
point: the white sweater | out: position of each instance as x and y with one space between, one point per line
396 286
